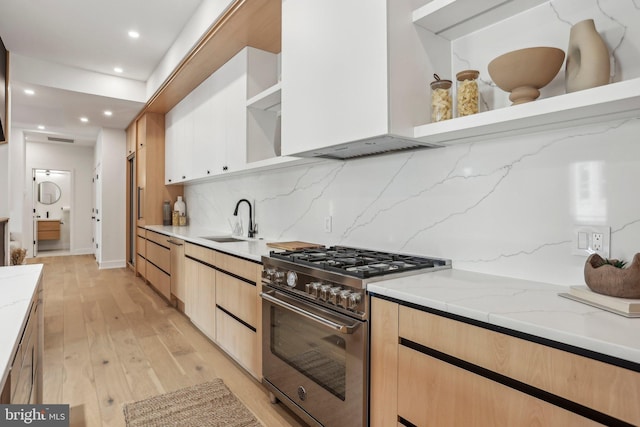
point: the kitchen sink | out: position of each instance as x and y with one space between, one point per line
223 239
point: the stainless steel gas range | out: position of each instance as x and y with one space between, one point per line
315 327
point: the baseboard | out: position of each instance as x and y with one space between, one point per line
84 251
112 264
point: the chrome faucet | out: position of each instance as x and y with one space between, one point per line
252 229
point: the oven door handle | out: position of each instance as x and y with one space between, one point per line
345 329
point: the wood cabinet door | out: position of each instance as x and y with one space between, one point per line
200 296
384 361
177 268
432 392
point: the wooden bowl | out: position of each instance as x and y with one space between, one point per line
523 72
606 279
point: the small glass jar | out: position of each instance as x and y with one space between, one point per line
467 92
441 103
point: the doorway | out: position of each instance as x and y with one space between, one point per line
52 214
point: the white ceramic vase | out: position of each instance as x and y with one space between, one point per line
587 58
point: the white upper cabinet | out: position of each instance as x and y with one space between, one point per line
350 72
209 132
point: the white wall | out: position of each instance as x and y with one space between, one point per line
79 161
17 185
110 155
206 14
4 180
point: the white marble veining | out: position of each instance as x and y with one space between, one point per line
505 207
525 306
18 284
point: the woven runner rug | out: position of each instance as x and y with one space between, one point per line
206 404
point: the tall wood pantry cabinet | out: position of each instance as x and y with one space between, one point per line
147 182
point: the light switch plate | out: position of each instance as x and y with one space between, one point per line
588 239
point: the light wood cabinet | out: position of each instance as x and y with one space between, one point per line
178 291
49 229
222 299
151 191
141 252
200 291
131 139
158 263
24 383
446 371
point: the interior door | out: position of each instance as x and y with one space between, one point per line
97 227
34 214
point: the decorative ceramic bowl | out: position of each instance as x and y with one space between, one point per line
523 72
606 279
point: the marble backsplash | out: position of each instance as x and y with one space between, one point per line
506 207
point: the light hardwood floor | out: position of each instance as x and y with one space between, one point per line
110 339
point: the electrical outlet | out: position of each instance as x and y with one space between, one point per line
597 242
589 239
327 224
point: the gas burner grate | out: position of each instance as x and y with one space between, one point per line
361 263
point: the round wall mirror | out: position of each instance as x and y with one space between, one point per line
48 192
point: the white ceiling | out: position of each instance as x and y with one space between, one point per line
88 35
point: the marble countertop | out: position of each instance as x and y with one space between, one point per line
252 249
520 305
17 286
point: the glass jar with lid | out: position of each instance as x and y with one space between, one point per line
441 102
467 92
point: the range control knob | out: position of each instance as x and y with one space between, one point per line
269 273
278 276
313 289
353 301
343 299
324 292
334 293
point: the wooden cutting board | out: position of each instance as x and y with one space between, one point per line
293 246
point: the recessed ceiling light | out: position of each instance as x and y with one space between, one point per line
134 34
29 91
108 113
40 127
117 69
84 119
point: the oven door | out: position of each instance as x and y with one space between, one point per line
314 360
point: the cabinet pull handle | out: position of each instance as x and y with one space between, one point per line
173 242
140 213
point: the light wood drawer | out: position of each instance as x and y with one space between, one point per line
159 255
49 235
238 341
141 245
141 266
238 266
53 225
142 232
159 280
580 379
238 297
478 400
200 253
158 238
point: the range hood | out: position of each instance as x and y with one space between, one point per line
382 144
